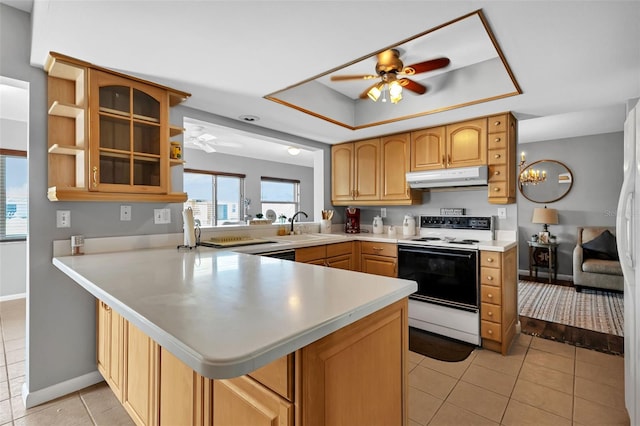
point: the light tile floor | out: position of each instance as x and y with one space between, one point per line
540 382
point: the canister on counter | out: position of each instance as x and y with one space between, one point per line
176 151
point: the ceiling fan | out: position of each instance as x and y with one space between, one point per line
203 141
388 69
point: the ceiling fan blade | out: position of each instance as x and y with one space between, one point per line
413 86
352 77
425 66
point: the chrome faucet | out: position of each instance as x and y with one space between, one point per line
293 218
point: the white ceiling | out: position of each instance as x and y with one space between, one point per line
576 62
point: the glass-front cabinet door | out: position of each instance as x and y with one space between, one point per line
129 136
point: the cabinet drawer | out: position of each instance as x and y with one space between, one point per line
497 156
490 276
308 254
497 189
339 249
497 141
497 173
490 330
382 249
491 312
277 376
497 123
490 294
492 259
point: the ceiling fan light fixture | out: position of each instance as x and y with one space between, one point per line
395 92
375 92
293 150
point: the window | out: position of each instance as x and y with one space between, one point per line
14 195
216 198
282 196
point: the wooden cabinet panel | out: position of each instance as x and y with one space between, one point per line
242 401
382 249
311 254
491 331
428 149
491 312
342 179
367 169
110 347
395 158
344 261
339 249
502 159
102 338
277 376
466 143
140 376
379 265
491 294
356 376
498 141
178 390
497 173
492 259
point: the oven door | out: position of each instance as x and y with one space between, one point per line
445 276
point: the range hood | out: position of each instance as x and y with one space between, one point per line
462 176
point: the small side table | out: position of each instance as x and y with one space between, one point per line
543 256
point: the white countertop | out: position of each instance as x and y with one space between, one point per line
224 313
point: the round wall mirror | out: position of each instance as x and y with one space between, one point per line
558 183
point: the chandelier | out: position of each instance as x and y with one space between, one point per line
530 176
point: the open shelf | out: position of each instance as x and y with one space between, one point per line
65 149
59 69
175 162
175 130
65 110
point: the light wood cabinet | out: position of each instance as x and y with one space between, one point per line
355 172
372 172
108 135
502 159
428 149
357 375
110 347
379 258
338 255
140 392
498 297
461 144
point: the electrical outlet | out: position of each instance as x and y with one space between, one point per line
63 218
161 216
125 212
383 212
502 213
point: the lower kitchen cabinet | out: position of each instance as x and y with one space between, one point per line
140 393
356 376
110 347
379 258
338 255
498 299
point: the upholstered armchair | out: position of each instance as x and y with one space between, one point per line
595 260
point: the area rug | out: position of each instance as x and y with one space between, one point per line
438 347
596 310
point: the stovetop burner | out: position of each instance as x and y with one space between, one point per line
427 239
465 241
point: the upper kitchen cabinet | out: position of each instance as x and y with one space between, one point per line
502 159
109 135
371 172
455 145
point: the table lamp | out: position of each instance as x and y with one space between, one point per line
545 216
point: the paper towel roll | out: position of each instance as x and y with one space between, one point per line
189 228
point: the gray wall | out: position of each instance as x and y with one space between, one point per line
596 164
61 315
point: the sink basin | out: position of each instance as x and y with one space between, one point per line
306 237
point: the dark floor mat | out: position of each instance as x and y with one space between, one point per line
438 347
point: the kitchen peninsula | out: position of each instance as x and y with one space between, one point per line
260 339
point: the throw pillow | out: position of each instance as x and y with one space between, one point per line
602 247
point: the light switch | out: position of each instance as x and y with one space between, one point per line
502 213
161 216
63 218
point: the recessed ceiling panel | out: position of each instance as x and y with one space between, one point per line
477 72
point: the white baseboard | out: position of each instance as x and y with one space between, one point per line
31 399
13 297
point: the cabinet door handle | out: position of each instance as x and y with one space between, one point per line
449 159
497 140
496 189
490 332
490 313
443 159
497 123
95 176
497 173
490 295
490 259
489 278
377 248
497 156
